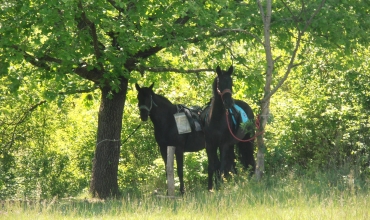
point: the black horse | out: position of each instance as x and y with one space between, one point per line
161 111
223 129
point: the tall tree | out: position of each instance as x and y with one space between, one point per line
80 44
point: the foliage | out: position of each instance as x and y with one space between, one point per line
41 154
323 196
325 120
48 113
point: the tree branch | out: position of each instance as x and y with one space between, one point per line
259 40
308 23
93 75
183 20
98 47
291 64
114 4
78 91
290 11
148 52
143 54
261 11
36 62
20 121
40 62
171 69
26 113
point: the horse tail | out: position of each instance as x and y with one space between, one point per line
245 151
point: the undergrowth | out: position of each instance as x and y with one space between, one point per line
331 195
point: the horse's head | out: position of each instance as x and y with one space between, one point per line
145 100
224 84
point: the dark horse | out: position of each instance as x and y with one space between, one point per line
220 129
161 111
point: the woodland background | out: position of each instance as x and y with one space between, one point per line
60 60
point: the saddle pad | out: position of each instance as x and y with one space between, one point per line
182 123
190 122
241 112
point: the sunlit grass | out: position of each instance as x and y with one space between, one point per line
273 198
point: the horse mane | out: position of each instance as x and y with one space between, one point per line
214 87
211 109
214 93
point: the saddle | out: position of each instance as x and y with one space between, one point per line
196 123
235 112
193 116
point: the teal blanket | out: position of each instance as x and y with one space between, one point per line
242 113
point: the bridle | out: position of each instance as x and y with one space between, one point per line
224 91
144 107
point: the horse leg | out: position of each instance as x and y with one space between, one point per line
180 169
230 164
217 172
163 150
225 161
212 164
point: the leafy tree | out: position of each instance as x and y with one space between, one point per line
292 27
79 44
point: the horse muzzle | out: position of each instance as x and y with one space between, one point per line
144 112
228 101
226 96
144 115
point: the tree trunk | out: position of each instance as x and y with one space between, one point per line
261 147
265 102
105 164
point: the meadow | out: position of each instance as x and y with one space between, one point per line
315 196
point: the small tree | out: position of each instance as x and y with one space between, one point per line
266 14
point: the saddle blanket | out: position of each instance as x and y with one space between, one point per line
241 112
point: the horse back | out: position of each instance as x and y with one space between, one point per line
166 134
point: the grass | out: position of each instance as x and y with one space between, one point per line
316 197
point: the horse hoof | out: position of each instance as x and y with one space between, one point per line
211 191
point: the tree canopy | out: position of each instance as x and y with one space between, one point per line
54 54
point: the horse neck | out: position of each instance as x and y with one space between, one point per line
217 107
161 110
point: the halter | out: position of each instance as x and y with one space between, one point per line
151 105
224 91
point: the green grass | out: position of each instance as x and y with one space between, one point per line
317 197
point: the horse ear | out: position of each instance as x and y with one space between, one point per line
151 86
231 69
218 70
137 86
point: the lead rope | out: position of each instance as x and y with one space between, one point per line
257 123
